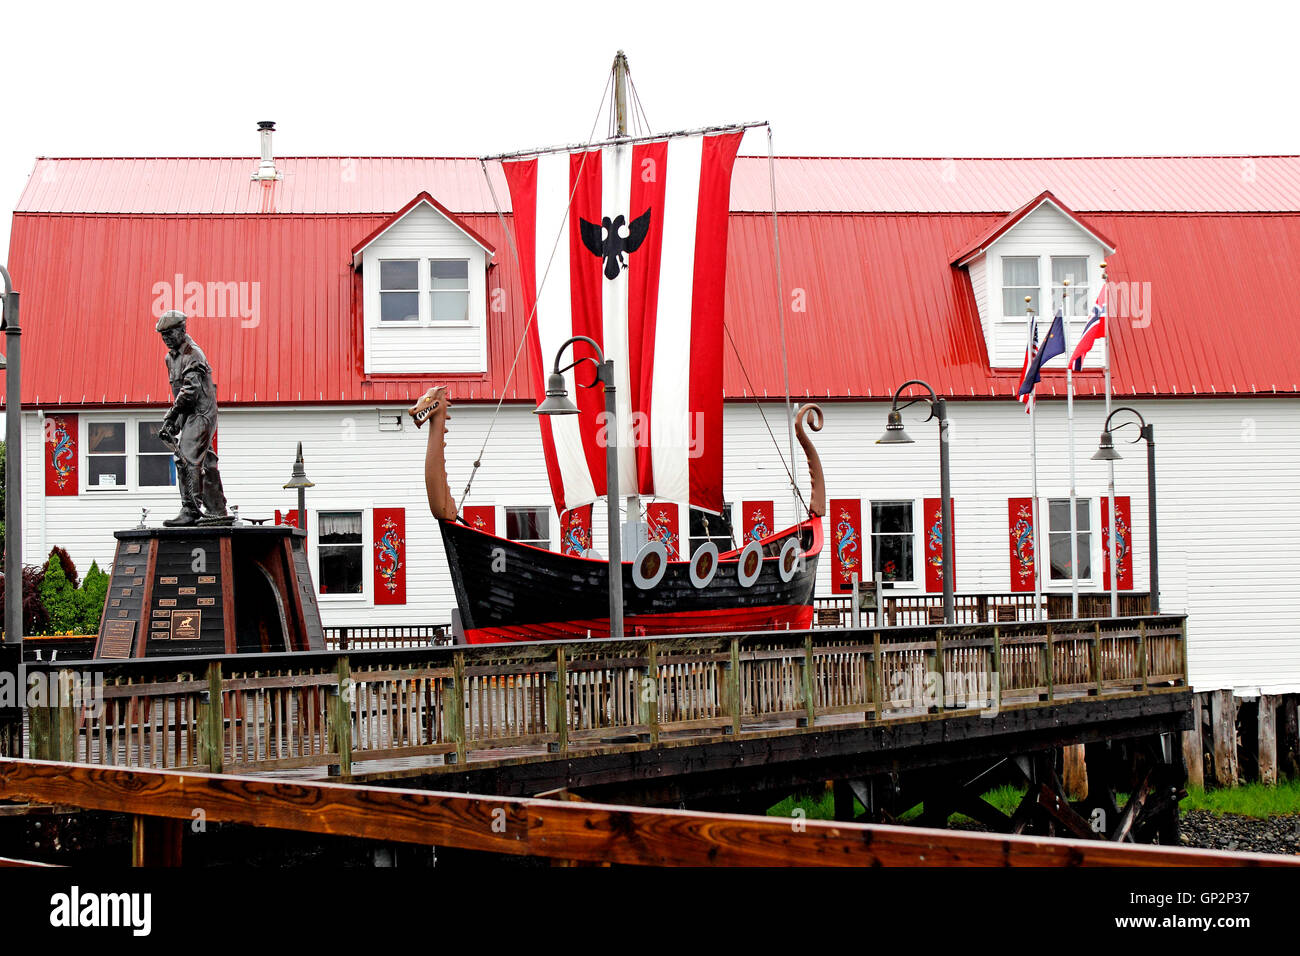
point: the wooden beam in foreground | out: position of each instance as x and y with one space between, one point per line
562 829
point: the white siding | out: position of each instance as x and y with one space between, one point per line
1229 503
980 287
432 347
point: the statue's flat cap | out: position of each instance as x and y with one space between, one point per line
172 319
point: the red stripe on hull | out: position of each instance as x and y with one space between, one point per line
772 618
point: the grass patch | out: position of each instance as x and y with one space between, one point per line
1248 800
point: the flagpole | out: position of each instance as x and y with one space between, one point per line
1033 466
1112 553
1069 437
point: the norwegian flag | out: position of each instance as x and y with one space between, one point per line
1031 347
1094 330
639 266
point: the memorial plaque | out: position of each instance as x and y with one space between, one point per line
130 570
137 582
185 625
125 592
186 591
162 613
167 580
124 613
119 639
207 579
116 602
133 549
166 602
207 602
160 635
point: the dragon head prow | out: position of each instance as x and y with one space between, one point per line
428 405
813 414
434 405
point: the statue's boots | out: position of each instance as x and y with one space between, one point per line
186 518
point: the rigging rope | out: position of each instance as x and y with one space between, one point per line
514 252
780 306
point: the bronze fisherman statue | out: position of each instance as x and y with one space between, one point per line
189 426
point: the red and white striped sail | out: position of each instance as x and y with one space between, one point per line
659 317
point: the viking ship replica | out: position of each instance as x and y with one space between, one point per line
621 248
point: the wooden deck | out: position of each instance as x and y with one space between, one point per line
388 711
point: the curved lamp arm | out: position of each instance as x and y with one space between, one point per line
1144 430
933 400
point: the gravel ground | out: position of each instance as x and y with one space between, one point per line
1200 828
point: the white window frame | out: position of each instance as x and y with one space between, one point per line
420 266
1093 531
1002 287
424 293
426 266
131 423
917 582
551 525
367 556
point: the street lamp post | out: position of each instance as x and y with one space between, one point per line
298 479
12 651
894 435
557 402
1106 452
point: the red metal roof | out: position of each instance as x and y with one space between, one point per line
883 301
367 184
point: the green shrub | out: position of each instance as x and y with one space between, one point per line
91 597
60 599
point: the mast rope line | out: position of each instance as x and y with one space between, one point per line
780 307
514 252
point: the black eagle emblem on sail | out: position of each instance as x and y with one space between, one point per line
609 243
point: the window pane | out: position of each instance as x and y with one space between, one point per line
399 306
1013 302
449 273
528 524
1020 271
892 556
340 569
340 527
1060 557
157 470
104 437
450 306
399 274
106 470
1085 555
1074 268
891 517
149 443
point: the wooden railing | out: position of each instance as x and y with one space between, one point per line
1006 607
346 637
332 709
162 804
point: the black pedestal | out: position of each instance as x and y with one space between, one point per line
209 590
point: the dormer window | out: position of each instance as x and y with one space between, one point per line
1074 297
399 290
1019 279
424 293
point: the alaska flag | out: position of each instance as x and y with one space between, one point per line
1052 346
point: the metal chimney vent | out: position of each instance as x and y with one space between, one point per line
266 171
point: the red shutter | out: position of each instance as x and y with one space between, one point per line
757 519
1124 533
61 454
481 517
390 555
934 530
662 520
846 560
575 530
1020 527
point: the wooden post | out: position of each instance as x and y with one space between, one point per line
558 705
1267 739
650 682
734 690
341 716
877 675
997 667
1223 720
1192 747
1142 655
1076 772
210 721
937 669
66 740
1288 740
454 718
1095 650
809 673
156 841
1049 665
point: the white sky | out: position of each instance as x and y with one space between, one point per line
907 78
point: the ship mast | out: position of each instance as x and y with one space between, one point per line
634 531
